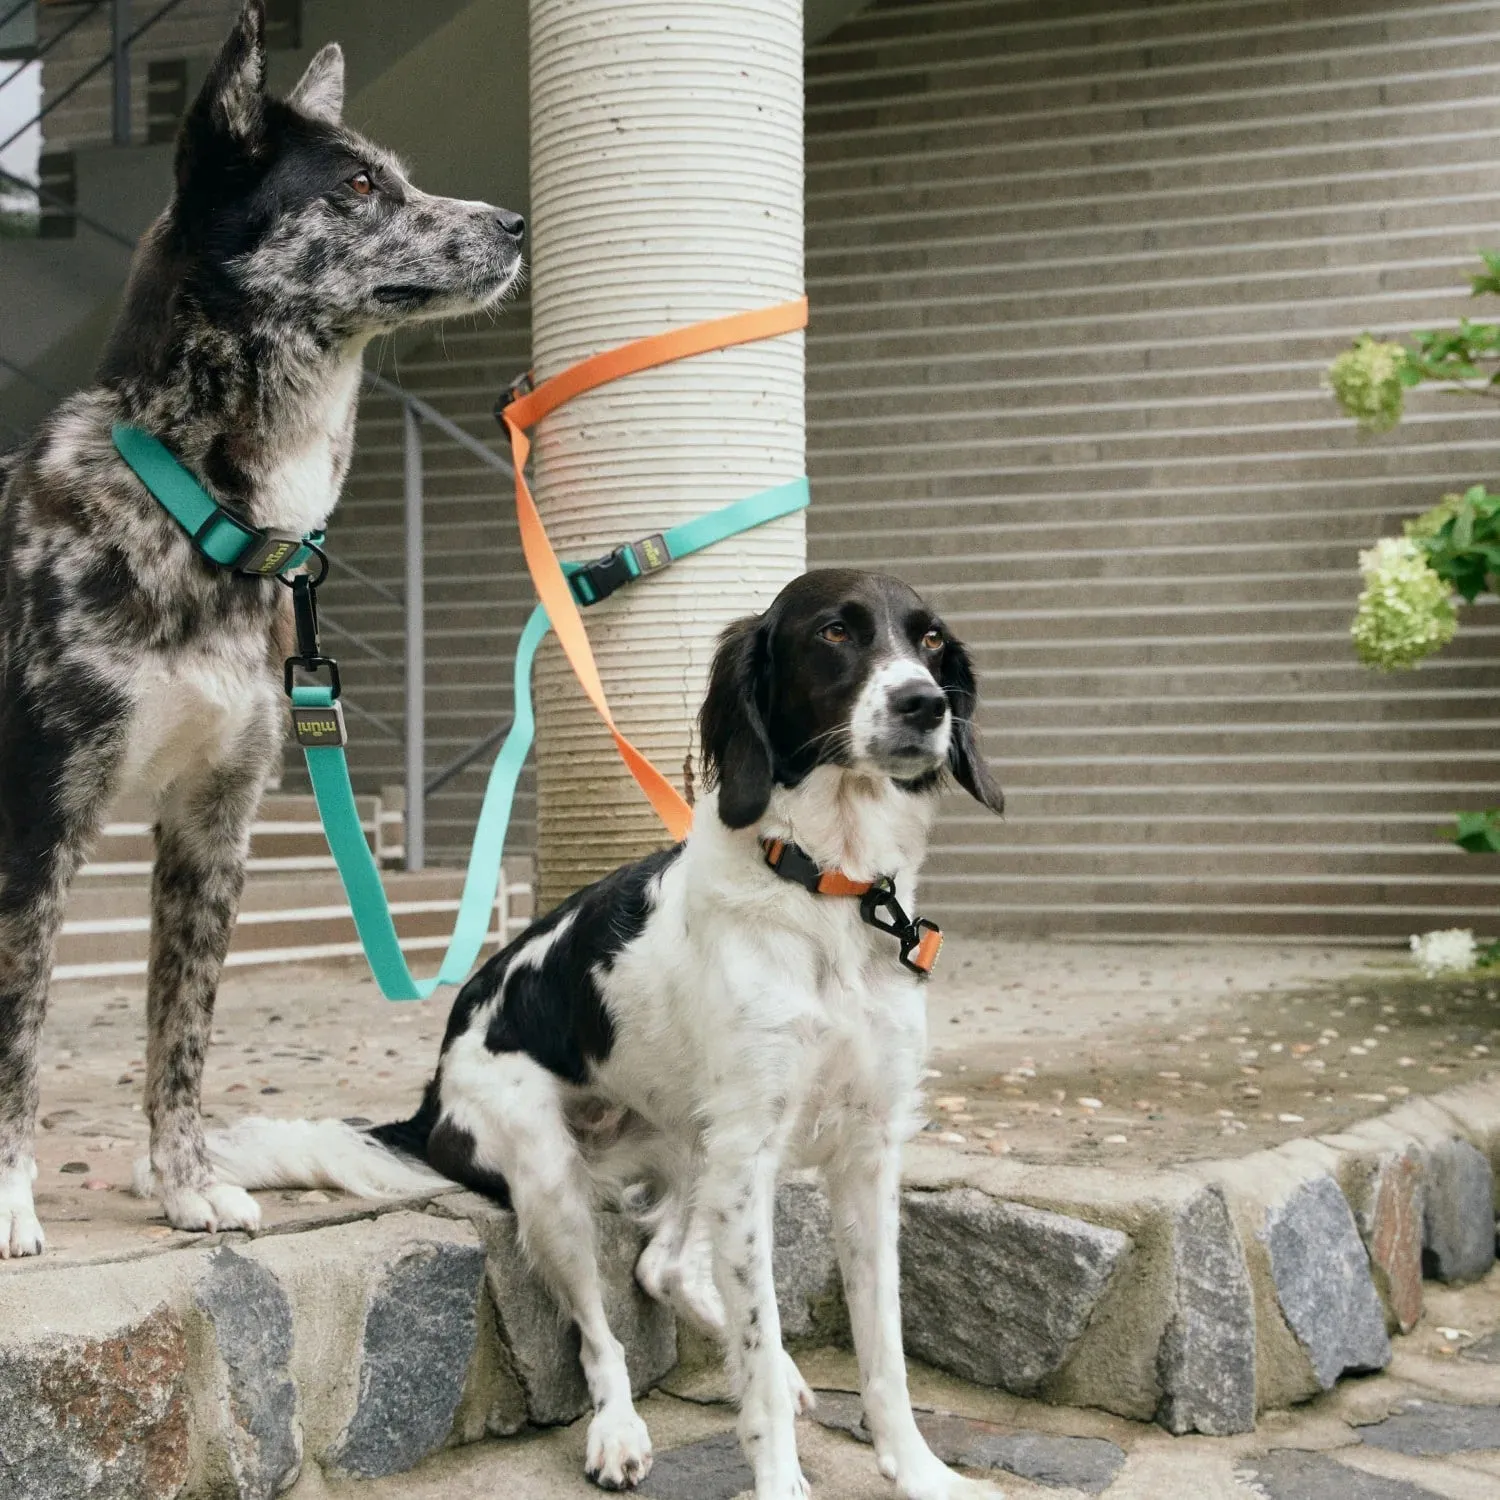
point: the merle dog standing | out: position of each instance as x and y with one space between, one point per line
127 659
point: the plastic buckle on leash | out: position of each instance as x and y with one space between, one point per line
523 385
792 863
597 580
920 939
316 726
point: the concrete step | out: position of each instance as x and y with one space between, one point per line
1086 799
1288 711
1023 84
1370 764
1375 829
294 907
1414 867
916 36
287 836
1290 744
892 245
282 920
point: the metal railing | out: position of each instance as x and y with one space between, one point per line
419 786
118 57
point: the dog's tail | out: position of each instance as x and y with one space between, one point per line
260 1153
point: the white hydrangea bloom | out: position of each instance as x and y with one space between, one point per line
1449 950
1406 611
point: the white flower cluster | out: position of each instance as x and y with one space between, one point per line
1366 380
1449 950
1406 611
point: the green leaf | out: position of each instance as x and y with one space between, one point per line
1477 832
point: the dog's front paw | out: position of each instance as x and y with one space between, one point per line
928 1478
218 1206
20 1233
618 1455
783 1487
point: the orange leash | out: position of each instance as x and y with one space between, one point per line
546 572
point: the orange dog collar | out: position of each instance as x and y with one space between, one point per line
921 940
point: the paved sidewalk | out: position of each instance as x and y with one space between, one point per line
1065 1053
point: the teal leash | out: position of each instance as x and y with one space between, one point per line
317 715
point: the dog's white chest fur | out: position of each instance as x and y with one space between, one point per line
190 712
298 492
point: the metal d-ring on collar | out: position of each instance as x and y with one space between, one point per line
879 907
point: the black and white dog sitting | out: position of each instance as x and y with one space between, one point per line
723 1022
127 660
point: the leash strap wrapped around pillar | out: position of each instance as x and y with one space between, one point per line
327 766
546 572
328 770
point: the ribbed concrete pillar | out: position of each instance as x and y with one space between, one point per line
666 188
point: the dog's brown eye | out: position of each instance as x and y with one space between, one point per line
835 634
362 184
933 640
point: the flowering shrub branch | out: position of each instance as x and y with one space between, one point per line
1407 609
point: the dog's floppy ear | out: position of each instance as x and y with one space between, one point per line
732 726
965 759
228 116
320 90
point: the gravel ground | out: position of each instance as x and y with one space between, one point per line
1056 1052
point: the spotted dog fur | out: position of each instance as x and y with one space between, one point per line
690 1026
127 661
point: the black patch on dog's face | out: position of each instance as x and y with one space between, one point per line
552 1010
285 222
786 687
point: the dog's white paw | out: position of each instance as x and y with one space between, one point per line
618 1455
20 1233
928 1478
791 1486
803 1400
219 1206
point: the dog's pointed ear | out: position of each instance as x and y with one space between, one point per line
731 725
320 90
228 116
966 760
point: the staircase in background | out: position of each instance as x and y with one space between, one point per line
294 909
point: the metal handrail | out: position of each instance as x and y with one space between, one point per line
41 52
414 412
43 196
65 94
386 730
431 414
12 13
373 584
467 758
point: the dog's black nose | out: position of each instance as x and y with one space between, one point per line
511 225
920 705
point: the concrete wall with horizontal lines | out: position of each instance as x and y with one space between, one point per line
1076 271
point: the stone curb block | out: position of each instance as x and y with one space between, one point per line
254 1439
997 1292
538 1349
385 1318
95 1391
1172 1335
1197 1295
